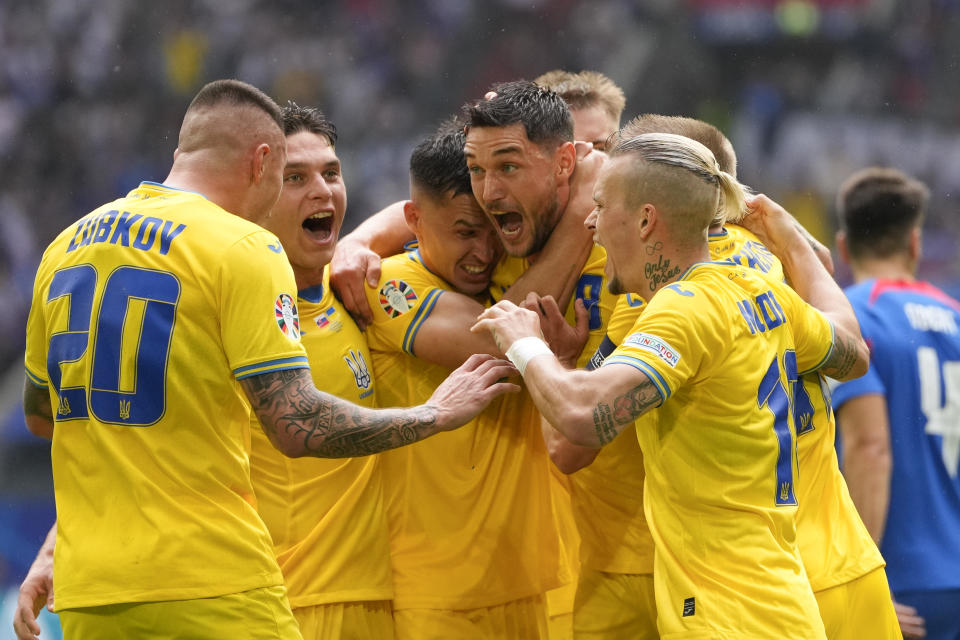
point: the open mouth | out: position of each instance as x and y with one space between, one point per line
510 223
319 226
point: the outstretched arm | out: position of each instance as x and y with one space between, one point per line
36 590
301 420
849 357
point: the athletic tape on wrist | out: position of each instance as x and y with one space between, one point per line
526 349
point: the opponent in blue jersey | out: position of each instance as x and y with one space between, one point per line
901 421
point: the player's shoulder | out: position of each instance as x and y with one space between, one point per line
409 266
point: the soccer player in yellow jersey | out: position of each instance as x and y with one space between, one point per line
157 321
472 534
718 349
326 517
843 564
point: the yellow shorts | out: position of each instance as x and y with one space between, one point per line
611 606
259 614
861 608
346 621
524 619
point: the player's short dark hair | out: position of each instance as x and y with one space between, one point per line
437 164
878 207
544 114
310 119
703 132
238 93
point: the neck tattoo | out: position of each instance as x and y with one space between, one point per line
659 272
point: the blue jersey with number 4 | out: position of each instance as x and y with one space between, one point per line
912 330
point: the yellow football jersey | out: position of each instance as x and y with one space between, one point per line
591 288
724 346
607 498
470 518
834 543
327 517
145 313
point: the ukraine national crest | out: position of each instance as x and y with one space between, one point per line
358 365
288 320
397 297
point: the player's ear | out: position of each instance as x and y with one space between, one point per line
566 160
647 218
258 164
842 247
916 244
412 215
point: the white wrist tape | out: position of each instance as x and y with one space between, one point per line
526 349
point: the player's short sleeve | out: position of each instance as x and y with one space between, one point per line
260 325
813 333
401 302
35 357
664 342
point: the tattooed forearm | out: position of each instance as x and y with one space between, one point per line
626 408
36 401
300 420
603 423
635 402
842 358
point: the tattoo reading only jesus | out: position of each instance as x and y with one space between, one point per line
659 272
609 421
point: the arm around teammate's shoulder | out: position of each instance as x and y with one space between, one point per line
849 357
301 420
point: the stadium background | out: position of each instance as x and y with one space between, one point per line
92 93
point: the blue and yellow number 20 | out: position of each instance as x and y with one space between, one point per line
123 388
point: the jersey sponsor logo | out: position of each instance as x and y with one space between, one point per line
655 346
357 364
328 320
285 310
397 297
276 248
689 607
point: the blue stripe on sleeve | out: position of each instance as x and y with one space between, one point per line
662 387
426 307
36 380
833 340
295 362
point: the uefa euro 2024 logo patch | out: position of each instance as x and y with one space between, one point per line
285 309
397 297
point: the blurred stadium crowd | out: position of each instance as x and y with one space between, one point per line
92 91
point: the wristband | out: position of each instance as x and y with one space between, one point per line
522 351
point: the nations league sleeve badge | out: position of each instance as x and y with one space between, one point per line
285 309
397 297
